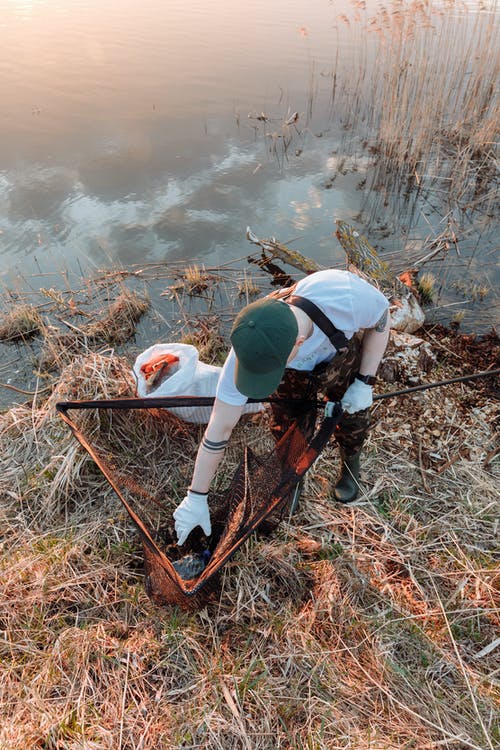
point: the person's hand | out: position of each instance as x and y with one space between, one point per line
192 512
358 396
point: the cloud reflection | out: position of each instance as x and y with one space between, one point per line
197 212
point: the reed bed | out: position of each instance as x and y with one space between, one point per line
439 109
372 626
422 95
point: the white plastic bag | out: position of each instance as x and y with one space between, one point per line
191 378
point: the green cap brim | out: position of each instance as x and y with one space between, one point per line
257 385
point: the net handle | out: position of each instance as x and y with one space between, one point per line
161 402
169 402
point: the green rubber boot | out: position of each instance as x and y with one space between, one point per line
347 488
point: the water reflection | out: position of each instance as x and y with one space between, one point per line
137 136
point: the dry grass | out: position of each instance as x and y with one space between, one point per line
205 334
196 280
192 281
116 325
247 288
120 319
372 626
22 322
426 286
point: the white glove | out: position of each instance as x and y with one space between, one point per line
358 396
193 511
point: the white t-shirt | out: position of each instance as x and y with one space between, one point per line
347 300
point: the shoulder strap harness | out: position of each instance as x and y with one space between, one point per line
337 337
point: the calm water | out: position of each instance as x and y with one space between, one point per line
125 132
131 132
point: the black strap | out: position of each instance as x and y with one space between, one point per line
337 338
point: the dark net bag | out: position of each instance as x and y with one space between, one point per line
258 496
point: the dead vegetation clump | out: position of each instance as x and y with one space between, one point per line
193 281
206 335
116 326
21 323
371 626
120 320
247 288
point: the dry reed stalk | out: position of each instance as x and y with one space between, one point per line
121 319
433 89
247 288
192 281
205 334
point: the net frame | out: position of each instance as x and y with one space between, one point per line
291 458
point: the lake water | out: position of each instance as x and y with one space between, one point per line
157 131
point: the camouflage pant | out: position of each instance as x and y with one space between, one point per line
332 379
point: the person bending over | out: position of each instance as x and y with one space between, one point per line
278 350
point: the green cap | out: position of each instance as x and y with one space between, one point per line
263 335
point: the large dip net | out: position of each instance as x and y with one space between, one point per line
257 497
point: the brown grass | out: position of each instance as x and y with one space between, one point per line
192 281
206 335
116 325
120 318
372 626
22 322
247 288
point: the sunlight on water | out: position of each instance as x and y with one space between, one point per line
106 103
132 132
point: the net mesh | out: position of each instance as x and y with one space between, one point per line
143 451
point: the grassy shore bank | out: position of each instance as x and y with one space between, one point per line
371 626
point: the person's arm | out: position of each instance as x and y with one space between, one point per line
359 395
374 345
223 419
194 510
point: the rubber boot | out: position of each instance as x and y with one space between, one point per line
347 487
